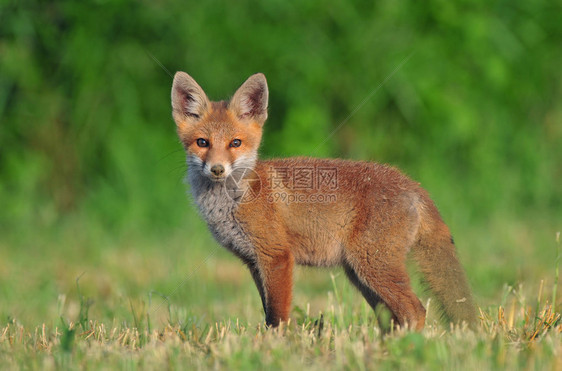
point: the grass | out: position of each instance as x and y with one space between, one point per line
79 298
511 337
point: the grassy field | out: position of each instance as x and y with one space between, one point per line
79 298
104 262
345 337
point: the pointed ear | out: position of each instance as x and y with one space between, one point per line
249 102
189 101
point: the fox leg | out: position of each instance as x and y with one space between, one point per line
254 270
273 274
389 283
370 296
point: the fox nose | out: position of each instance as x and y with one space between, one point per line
217 170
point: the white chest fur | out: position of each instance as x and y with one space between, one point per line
219 210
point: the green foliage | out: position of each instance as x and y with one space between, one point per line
84 98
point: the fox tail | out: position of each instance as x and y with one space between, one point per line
436 257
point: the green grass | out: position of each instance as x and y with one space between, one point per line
81 298
508 339
346 336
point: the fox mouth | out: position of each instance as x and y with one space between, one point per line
217 179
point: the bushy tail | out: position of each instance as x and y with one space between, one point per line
437 259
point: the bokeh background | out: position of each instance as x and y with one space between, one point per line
465 97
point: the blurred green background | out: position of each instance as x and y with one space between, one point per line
466 97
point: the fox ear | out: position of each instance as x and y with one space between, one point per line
189 101
249 102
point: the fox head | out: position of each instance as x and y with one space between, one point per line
220 137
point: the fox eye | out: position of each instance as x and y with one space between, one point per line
202 142
236 143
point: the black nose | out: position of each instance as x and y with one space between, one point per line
217 170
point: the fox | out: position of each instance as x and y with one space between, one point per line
364 217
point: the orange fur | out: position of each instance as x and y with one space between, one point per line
366 219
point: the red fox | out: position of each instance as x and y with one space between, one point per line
362 216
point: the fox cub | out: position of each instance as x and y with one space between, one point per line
362 216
